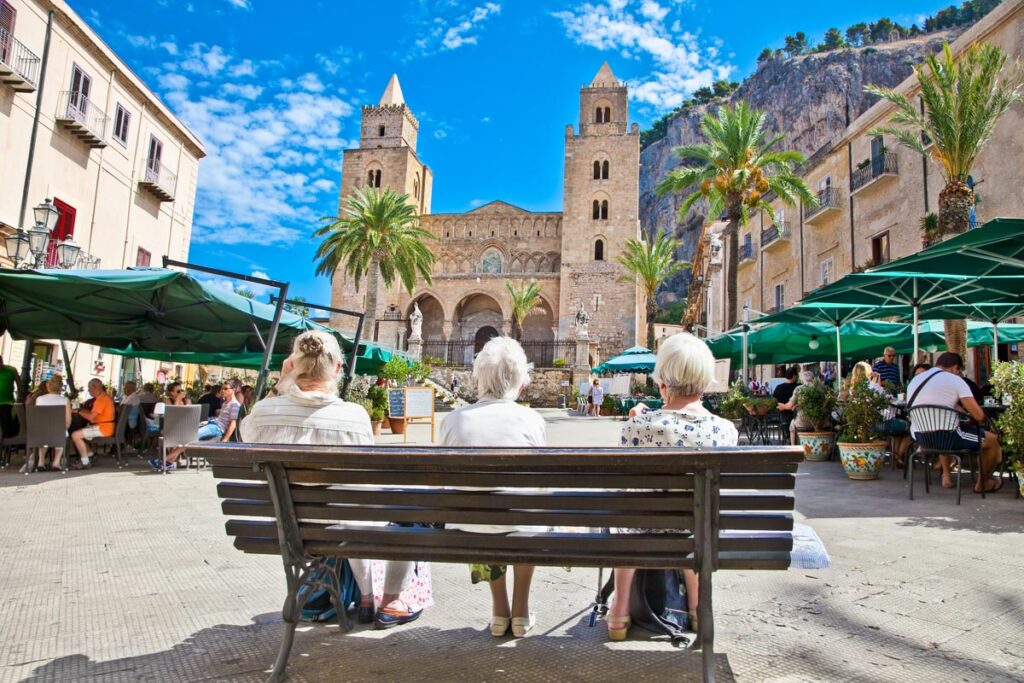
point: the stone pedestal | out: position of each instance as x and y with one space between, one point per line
416 348
583 354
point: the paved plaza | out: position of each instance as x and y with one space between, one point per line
128 576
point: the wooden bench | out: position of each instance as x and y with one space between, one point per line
309 503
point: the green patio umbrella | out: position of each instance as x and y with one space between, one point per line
633 359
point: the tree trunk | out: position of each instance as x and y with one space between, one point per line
955 202
731 273
517 330
652 313
371 283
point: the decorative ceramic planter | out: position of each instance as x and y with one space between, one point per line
862 460
817 445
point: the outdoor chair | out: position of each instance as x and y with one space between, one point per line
13 441
237 436
118 439
47 428
181 425
934 430
205 414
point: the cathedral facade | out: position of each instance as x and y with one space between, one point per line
572 255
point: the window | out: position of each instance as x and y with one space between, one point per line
604 209
121 120
780 296
607 114
597 170
597 209
599 250
416 186
156 150
380 131
491 262
78 98
64 229
599 115
604 170
880 248
825 183
826 272
142 257
373 178
7 15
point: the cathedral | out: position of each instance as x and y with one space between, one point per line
572 255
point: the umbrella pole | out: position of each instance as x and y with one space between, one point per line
839 359
995 348
743 350
271 341
352 359
917 354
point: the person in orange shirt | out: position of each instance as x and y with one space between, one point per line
101 422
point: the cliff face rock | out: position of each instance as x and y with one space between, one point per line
805 99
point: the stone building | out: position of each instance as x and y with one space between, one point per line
872 194
79 127
571 255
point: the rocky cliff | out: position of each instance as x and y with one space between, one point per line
809 99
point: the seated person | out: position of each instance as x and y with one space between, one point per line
783 394
886 367
212 397
221 429
52 397
176 395
130 401
800 423
99 418
943 386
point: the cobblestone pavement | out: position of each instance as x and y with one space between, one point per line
128 576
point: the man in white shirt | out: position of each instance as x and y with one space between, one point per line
943 386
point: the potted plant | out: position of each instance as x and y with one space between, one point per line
816 401
732 405
608 406
1008 382
376 419
860 449
395 370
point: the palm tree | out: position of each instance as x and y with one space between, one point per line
524 299
649 264
962 102
376 236
733 171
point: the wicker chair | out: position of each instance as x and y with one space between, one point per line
934 429
47 428
118 439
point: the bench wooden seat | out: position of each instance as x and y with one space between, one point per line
309 503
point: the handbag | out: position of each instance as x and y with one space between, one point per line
658 604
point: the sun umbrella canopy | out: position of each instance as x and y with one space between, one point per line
634 350
635 359
807 342
994 249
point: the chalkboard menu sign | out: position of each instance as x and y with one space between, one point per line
396 402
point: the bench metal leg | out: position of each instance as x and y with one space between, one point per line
706 509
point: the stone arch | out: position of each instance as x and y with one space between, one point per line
538 327
475 311
599 248
553 260
516 265
434 315
603 111
491 260
543 263
374 175
529 265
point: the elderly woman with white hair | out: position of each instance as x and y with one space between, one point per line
307 410
683 371
501 372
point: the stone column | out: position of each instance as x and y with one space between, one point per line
416 348
583 353
401 338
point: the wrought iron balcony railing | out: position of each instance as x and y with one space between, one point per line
158 180
19 66
76 113
878 167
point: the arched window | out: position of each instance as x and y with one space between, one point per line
369 178
597 209
416 186
597 170
604 170
604 209
607 114
380 131
491 262
599 115
376 178
599 250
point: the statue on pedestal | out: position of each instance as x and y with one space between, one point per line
582 322
416 322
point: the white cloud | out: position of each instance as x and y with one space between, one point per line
486 119
440 34
474 203
647 30
311 82
240 4
440 134
271 150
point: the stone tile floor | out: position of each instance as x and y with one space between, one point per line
127 576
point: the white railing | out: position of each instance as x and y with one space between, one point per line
156 174
18 58
74 106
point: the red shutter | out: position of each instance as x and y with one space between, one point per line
142 257
65 228
7 14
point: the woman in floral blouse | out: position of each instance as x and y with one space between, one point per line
684 370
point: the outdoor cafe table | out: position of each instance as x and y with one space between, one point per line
627 403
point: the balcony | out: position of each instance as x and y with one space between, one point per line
777 234
746 252
80 116
828 204
158 181
879 168
19 66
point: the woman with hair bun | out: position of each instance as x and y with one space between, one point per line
308 411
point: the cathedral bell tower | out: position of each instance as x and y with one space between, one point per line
600 214
386 158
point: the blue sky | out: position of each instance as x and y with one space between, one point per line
274 92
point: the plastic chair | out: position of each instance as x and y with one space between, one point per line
14 440
205 414
181 426
118 439
47 428
934 430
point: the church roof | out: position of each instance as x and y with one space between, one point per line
604 77
393 93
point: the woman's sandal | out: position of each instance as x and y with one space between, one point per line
499 626
694 620
618 627
999 484
522 625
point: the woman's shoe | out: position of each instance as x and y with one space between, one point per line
387 618
694 621
522 625
365 615
499 626
618 627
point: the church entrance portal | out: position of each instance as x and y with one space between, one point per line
483 335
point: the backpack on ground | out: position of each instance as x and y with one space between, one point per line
319 606
657 603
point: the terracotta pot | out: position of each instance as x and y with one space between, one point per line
376 424
862 460
817 445
762 410
397 425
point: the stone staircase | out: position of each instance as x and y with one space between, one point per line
440 394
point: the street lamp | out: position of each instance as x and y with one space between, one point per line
46 215
17 246
67 253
